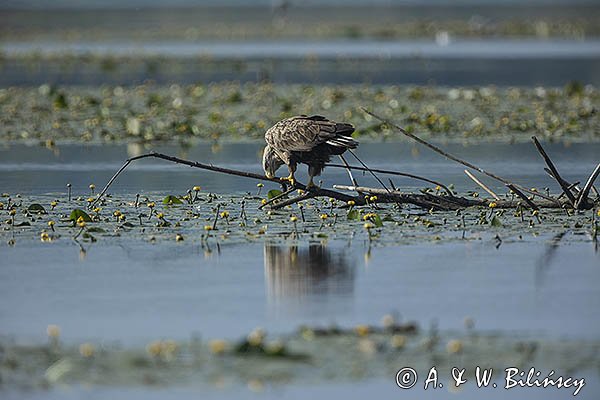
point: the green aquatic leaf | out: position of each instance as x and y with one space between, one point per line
377 221
273 193
496 222
353 215
36 208
76 213
60 101
87 236
24 223
170 200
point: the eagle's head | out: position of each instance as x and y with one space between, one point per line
271 161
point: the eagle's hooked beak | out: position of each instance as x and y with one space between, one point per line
271 162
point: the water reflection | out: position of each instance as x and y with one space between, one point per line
299 272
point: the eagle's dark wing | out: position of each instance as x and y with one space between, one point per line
305 133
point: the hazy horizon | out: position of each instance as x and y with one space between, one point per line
117 4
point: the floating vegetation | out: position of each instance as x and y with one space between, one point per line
197 112
309 354
388 216
209 219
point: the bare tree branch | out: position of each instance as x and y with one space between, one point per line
454 158
195 164
582 198
554 171
523 196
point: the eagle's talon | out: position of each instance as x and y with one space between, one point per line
290 179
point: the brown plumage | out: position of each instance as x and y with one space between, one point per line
307 140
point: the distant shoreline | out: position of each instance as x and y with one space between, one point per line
399 21
476 63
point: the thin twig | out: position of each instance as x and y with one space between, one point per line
477 181
523 196
554 171
347 166
214 225
570 185
368 169
453 158
582 198
388 172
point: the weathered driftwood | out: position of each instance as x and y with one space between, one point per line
442 202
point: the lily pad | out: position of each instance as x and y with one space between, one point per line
377 221
87 236
496 222
76 213
170 200
24 223
354 215
273 193
36 208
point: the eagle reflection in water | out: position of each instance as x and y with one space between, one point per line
297 272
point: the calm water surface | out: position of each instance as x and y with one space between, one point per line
142 291
35 169
139 292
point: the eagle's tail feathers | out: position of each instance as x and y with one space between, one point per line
343 141
342 128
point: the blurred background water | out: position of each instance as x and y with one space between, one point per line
394 42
